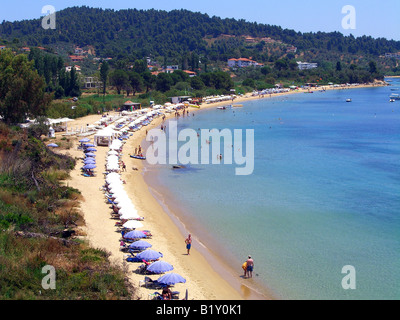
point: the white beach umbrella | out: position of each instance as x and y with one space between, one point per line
125 204
129 216
114 179
133 224
129 211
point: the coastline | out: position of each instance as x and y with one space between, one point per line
205 273
248 288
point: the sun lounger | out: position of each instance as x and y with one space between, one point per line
133 259
158 296
153 283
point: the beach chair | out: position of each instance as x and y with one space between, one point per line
155 296
133 259
142 270
152 283
175 295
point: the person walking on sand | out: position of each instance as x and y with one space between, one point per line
188 242
250 267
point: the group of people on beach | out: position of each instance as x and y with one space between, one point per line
248 265
138 151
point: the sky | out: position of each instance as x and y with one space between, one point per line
376 18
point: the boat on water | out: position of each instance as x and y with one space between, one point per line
392 100
395 96
224 107
348 100
138 157
394 89
178 167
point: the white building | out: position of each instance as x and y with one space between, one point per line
79 51
92 82
392 55
243 63
173 67
306 65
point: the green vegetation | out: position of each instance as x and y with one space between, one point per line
38 214
38 225
120 44
21 89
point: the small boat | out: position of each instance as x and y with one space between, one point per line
178 167
395 96
395 89
139 157
348 100
224 107
392 100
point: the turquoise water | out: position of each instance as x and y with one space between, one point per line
325 193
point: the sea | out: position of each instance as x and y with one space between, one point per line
320 213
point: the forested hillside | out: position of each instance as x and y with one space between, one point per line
195 43
175 33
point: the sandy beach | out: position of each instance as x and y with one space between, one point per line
206 276
202 280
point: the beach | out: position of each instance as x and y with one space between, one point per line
205 273
203 282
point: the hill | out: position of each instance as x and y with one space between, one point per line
172 35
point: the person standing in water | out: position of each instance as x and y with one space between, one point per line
250 267
188 242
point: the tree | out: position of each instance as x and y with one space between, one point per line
119 79
73 86
164 82
140 66
135 81
104 75
196 83
22 90
265 70
281 64
249 83
372 67
149 80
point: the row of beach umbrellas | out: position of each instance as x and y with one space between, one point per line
89 160
128 212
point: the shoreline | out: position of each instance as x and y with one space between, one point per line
230 274
205 276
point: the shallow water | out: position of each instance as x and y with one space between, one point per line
324 193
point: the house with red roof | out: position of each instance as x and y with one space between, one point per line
75 58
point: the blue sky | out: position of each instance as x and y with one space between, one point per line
376 18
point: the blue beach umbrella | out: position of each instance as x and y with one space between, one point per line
135 234
89 160
89 145
89 166
171 279
149 255
52 145
89 154
91 149
140 245
160 267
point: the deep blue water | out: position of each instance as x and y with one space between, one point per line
325 193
